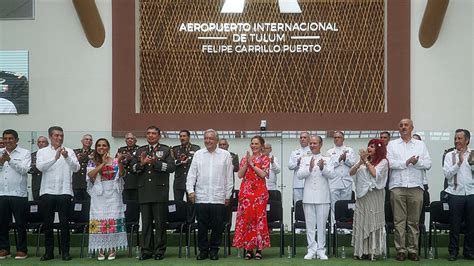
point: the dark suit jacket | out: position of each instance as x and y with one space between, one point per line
36 175
153 179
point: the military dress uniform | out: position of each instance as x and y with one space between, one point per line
181 153
79 184
36 176
130 188
153 191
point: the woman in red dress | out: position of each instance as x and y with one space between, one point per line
251 230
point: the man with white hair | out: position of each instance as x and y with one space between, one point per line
209 186
342 158
274 167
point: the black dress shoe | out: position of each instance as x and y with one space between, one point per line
46 257
413 257
452 257
469 257
145 256
66 256
401 256
159 256
202 256
214 256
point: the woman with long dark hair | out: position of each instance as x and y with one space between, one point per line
251 229
107 219
370 176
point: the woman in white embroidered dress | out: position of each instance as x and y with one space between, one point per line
107 219
370 176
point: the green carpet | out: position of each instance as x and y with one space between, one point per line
271 257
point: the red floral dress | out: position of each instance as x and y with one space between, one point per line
251 230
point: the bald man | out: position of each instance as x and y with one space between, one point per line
409 159
35 173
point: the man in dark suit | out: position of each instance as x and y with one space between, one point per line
130 188
79 184
35 173
153 164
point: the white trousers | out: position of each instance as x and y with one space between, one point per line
297 195
316 216
338 194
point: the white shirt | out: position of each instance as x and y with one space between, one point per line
272 177
210 176
365 182
14 173
7 107
342 179
398 152
293 164
465 180
57 174
316 182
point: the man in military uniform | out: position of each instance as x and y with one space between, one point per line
14 88
153 164
184 155
79 185
130 188
35 173
224 144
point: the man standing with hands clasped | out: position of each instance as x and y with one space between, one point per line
209 186
458 167
342 158
316 171
57 163
408 160
153 164
14 165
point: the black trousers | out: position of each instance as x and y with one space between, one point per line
191 212
36 194
81 194
49 205
130 194
157 213
461 208
210 217
18 206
